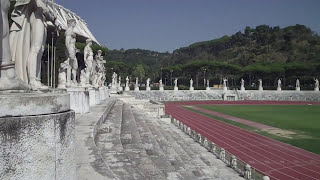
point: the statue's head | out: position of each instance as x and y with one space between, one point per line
89 41
72 22
99 52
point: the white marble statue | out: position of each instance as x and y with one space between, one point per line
161 85
191 85
316 85
64 74
137 84
71 50
234 163
225 81
88 60
127 81
247 173
100 69
83 79
297 85
175 82
208 85
28 37
242 85
148 82
8 77
119 83
260 85
279 85
114 79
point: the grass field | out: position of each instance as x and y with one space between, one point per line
302 120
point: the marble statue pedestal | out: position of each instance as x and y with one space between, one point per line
120 88
297 88
126 88
176 89
161 89
113 90
316 89
103 93
37 135
191 89
242 89
279 89
79 99
225 88
260 88
94 96
208 89
136 89
148 89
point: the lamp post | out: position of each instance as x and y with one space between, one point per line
171 76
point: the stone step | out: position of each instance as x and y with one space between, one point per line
166 159
193 164
109 144
137 149
214 166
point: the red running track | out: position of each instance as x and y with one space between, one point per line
273 158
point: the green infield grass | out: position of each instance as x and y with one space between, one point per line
299 124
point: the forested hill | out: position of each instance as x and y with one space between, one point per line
262 52
263 44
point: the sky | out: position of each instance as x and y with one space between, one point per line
166 25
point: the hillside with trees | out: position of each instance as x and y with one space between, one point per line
262 52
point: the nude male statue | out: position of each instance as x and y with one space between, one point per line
88 59
28 35
71 50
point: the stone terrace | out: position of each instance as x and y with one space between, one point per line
128 143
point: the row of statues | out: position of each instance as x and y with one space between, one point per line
23 45
94 73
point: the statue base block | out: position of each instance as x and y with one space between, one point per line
242 89
148 89
136 89
208 89
297 88
191 89
176 89
126 89
260 88
279 89
37 135
79 100
161 89
316 89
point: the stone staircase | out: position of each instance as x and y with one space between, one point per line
136 145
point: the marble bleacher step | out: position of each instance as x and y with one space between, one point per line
110 147
135 147
191 159
216 168
166 158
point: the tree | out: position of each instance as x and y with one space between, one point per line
139 71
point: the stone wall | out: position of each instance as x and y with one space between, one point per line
185 95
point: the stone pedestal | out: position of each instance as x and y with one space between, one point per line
148 89
103 93
297 88
113 90
208 89
126 88
225 88
161 89
176 89
316 89
191 89
260 88
37 136
279 89
242 88
79 100
136 89
98 100
92 96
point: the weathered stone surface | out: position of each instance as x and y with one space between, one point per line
37 147
29 104
79 100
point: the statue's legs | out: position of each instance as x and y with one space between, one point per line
8 77
74 70
34 59
88 71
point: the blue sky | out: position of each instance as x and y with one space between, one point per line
165 25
